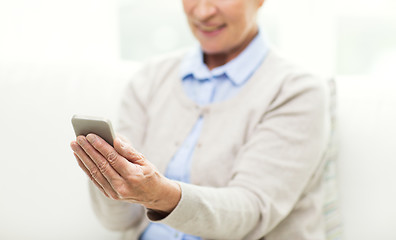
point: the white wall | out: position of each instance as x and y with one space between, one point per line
58 30
45 48
366 163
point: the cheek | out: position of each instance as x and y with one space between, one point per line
244 21
187 7
235 14
237 23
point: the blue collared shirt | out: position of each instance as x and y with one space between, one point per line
206 86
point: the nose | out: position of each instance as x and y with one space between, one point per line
204 9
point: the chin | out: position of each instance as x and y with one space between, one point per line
213 49
213 45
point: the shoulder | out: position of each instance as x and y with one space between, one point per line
161 64
294 78
293 87
154 72
291 72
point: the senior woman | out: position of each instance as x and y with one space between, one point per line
232 136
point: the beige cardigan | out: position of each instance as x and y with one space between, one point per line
256 171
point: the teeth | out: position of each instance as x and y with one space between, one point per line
209 29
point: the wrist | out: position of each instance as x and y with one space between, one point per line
168 197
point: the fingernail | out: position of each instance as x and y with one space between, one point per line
79 140
123 145
73 145
91 138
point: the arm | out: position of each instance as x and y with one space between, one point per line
113 214
271 170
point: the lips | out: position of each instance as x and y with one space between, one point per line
210 28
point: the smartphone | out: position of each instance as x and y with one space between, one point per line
83 125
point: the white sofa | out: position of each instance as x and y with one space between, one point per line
44 194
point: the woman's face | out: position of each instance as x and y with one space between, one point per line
222 26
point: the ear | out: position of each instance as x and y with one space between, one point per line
260 3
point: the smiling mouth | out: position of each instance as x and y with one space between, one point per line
210 28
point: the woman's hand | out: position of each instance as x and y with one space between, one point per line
122 173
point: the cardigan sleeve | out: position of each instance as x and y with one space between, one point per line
132 124
112 214
271 172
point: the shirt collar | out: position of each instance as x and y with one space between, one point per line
237 70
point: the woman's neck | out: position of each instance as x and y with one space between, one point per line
214 60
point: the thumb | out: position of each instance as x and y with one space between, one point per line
128 152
